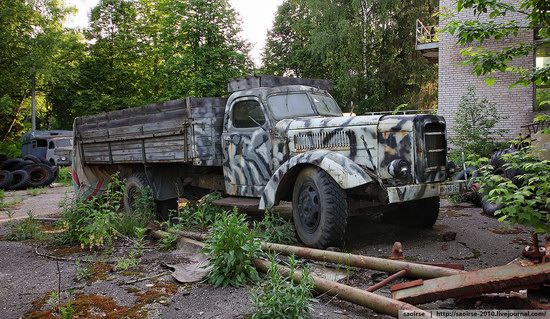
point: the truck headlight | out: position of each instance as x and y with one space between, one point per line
399 168
63 158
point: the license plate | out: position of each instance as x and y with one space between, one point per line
449 189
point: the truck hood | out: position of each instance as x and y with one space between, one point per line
331 122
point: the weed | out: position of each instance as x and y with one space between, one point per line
279 297
92 222
15 201
168 242
275 229
65 311
37 191
29 228
2 194
126 263
82 271
231 249
144 213
201 215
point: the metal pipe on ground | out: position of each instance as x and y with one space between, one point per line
387 265
357 296
380 264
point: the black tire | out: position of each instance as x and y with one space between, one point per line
20 180
422 213
23 164
468 172
41 175
33 158
498 164
5 179
488 207
319 209
9 165
133 184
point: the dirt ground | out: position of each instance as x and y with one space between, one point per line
27 278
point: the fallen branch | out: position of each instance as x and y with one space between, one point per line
162 274
69 259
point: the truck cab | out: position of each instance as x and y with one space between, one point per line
54 146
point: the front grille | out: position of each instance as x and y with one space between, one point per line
324 140
435 146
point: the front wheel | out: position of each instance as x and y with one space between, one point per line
319 209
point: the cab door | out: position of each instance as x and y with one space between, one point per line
247 148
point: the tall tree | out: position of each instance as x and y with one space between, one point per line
29 33
365 47
201 48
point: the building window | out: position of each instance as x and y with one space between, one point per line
542 92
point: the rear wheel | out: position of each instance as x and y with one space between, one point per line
420 213
319 209
132 190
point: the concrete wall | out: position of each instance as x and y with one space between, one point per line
454 78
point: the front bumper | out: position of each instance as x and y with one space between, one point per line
407 193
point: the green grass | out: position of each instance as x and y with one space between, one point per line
8 204
36 191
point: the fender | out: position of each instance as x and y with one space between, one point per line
343 170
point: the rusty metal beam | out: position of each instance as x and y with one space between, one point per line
357 296
367 262
474 283
389 279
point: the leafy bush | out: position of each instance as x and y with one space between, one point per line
29 228
279 297
231 248
92 222
201 215
11 149
275 229
168 242
475 125
64 175
525 198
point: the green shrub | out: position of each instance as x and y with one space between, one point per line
64 175
273 228
201 215
231 248
29 228
168 242
526 198
11 149
475 119
92 223
279 297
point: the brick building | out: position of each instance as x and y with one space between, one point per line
518 104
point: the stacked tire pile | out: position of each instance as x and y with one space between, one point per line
27 172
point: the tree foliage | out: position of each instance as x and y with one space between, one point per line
132 52
475 119
365 47
469 32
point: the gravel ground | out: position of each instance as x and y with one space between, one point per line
27 278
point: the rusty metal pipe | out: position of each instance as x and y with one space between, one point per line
380 264
389 279
357 296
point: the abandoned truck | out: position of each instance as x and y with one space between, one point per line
274 139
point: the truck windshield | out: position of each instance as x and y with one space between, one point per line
63 142
291 105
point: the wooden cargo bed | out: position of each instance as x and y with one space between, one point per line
186 131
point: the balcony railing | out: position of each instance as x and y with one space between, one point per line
425 34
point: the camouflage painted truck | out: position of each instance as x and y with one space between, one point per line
274 139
